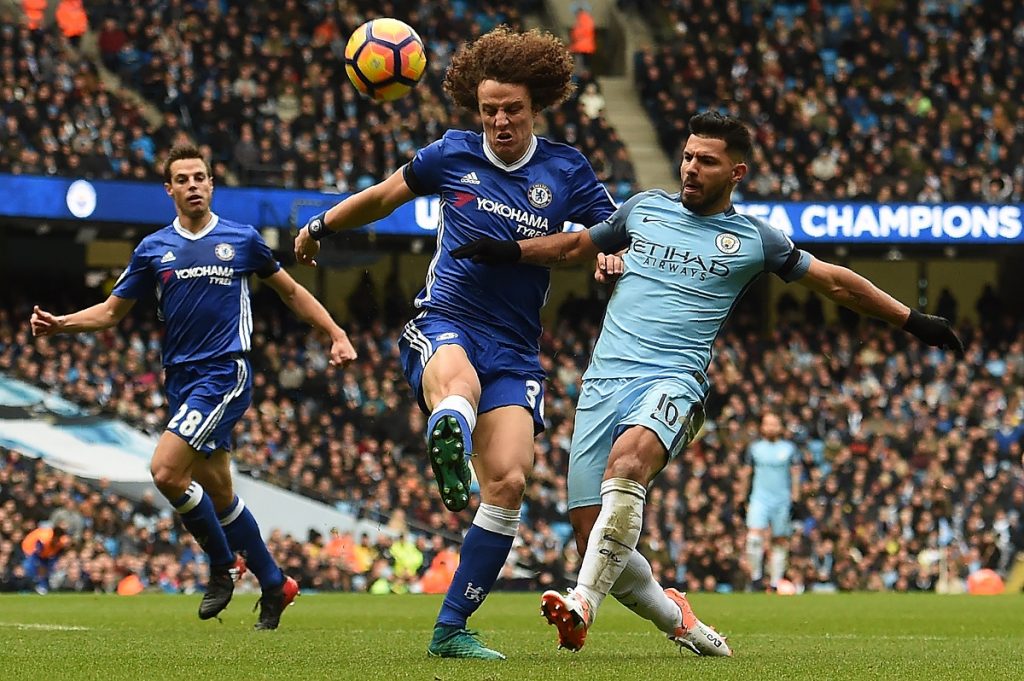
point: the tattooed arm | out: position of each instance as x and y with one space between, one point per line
849 289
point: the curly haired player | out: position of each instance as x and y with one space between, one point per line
471 354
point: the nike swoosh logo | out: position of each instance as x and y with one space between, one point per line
613 540
648 218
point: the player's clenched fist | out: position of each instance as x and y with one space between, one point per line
307 243
43 323
341 350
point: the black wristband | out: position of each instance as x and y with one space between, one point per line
915 322
317 227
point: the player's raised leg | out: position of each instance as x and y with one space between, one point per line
451 389
243 534
171 468
505 454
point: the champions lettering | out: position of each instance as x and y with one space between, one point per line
894 223
205 271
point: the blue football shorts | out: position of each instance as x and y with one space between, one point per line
762 514
508 376
673 408
206 399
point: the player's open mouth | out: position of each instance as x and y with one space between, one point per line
691 187
503 137
195 200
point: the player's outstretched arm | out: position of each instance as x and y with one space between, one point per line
373 203
556 249
849 289
95 318
308 309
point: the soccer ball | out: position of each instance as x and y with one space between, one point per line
384 59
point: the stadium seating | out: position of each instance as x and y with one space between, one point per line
262 86
834 116
911 477
57 117
911 460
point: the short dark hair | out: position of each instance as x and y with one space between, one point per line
181 152
723 127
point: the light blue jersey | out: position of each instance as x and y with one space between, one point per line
772 462
684 274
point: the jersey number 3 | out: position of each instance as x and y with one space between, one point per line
532 391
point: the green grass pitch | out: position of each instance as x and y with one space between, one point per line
862 636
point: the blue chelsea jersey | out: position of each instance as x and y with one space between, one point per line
481 196
202 286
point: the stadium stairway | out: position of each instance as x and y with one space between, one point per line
627 116
89 49
654 169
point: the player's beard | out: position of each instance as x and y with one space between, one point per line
710 198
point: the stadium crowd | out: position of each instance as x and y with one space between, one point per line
853 100
262 87
58 118
911 471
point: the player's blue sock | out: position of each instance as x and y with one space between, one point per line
464 413
244 536
483 553
199 518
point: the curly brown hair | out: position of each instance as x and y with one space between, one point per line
540 61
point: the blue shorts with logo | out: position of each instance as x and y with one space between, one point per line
673 408
508 375
761 514
206 399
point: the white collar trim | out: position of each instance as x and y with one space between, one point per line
509 167
214 219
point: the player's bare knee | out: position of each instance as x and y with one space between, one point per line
506 491
171 483
629 465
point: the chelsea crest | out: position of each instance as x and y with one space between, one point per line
539 195
224 252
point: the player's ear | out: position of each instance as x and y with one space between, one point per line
167 188
739 171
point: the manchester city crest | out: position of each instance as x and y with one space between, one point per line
224 252
539 195
727 243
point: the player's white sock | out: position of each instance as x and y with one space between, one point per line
637 589
612 540
777 568
461 406
755 555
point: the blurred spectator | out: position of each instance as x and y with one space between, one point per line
583 37
71 20
42 547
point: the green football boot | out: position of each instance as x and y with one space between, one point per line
449 641
447 454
